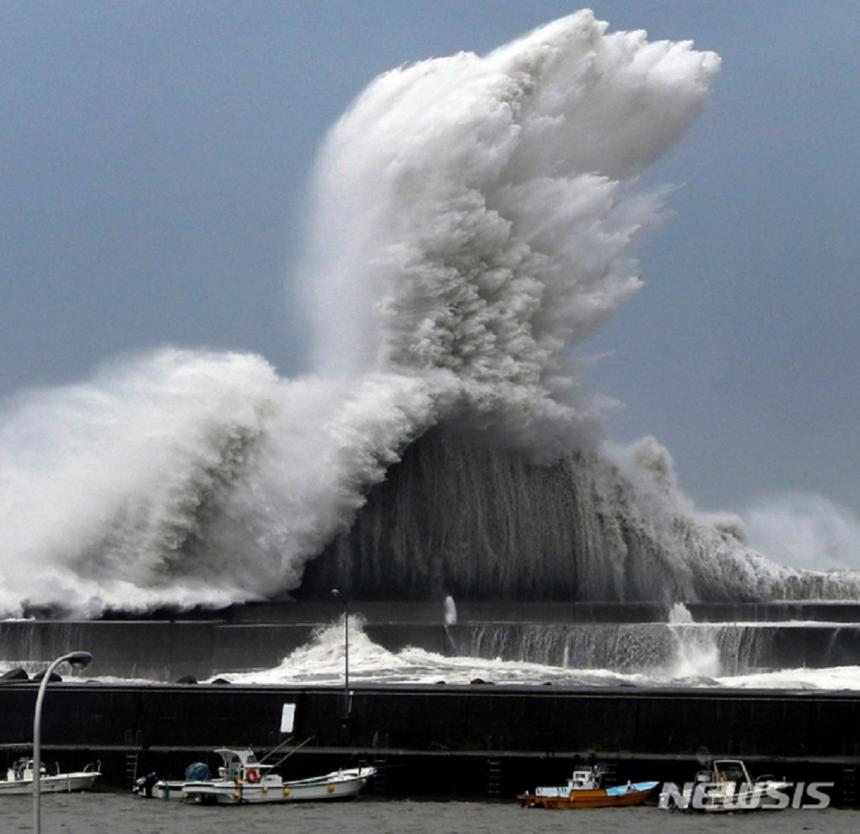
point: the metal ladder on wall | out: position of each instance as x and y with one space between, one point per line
131 761
134 743
381 765
849 785
494 778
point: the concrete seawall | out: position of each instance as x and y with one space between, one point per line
632 721
168 650
813 736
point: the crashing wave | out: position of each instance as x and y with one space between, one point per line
471 222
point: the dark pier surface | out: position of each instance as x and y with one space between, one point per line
455 740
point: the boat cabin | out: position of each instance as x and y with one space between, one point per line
588 779
731 771
237 764
23 769
583 779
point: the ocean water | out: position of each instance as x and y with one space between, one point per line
114 813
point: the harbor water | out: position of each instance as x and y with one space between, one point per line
115 813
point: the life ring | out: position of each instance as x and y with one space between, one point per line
252 775
287 791
330 788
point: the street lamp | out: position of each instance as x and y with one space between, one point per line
77 660
339 596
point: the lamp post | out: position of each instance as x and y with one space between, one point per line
78 660
339 596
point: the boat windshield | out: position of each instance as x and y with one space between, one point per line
585 779
729 772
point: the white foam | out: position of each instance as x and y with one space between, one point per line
322 662
833 677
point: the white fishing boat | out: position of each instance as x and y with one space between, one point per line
19 779
243 779
725 787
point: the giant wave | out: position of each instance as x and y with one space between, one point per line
471 224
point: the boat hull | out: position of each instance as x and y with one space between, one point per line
272 790
163 790
598 798
64 783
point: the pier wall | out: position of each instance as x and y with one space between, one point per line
427 718
426 733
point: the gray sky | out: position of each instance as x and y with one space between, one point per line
153 158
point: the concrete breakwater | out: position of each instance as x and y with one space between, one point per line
167 651
436 739
617 636
641 647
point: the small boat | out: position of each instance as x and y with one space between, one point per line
151 787
19 779
243 779
725 786
585 790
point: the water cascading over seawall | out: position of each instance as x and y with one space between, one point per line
463 515
711 650
482 522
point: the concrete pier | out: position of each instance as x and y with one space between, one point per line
429 732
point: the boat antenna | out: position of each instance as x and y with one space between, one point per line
294 750
275 749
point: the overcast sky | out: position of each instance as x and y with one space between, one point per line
153 160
